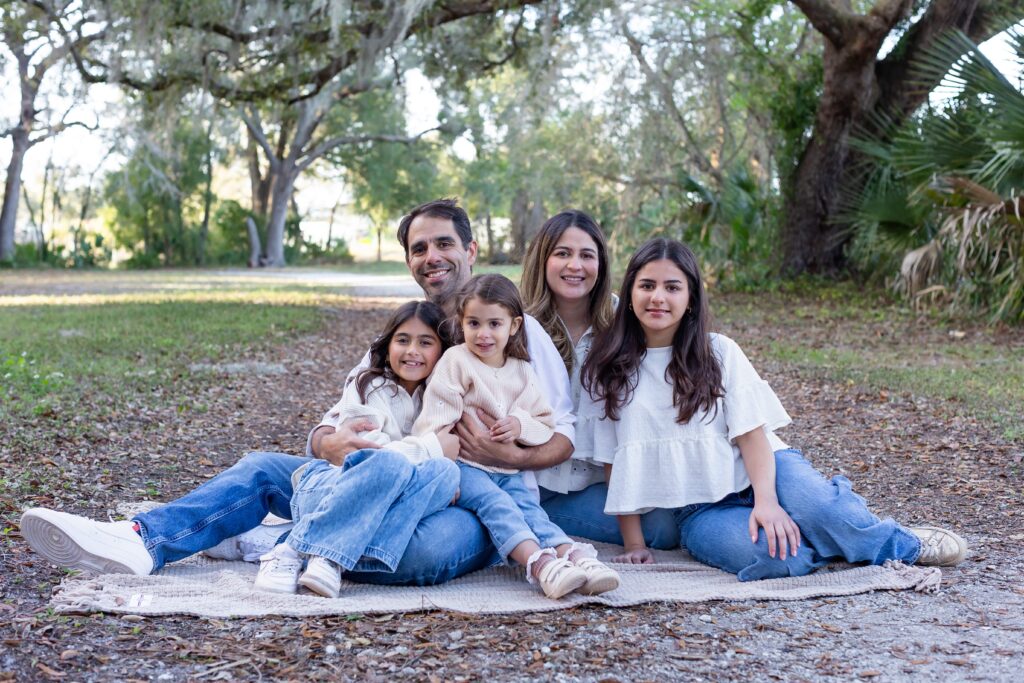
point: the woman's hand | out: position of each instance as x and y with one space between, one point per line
635 556
506 429
779 528
449 445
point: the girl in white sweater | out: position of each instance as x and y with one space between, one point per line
363 514
491 371
683 421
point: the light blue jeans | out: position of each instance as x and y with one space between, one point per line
445 545
508 510
363 514
835 524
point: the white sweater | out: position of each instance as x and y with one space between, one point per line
394 411
461 380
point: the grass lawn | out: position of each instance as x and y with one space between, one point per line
864 338
54 354
136 331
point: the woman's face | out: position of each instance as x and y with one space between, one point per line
572 267
413 352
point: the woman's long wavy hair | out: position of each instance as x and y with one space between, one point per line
610 373
537 297
428 313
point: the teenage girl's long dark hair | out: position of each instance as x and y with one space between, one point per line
427 312
611 371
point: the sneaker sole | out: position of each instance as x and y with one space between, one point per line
601 584
58 547
318 587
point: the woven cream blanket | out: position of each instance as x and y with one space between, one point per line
214 588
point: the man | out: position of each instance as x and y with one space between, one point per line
440 252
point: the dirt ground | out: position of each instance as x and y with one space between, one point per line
909 457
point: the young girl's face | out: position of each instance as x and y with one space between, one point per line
413 352
487 328
660 298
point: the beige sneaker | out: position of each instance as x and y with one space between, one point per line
939 547
560 577
322 576
600 577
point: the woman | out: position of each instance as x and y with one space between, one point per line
566 286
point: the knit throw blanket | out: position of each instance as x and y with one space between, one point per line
214 588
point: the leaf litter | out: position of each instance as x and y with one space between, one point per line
914 459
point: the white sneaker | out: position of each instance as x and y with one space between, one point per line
250 545
322 576
939 547
80 543
279 570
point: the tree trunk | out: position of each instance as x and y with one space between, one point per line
12 193
260 184
255 249
811 240
280 201
527 217
204 229
490 233
856 85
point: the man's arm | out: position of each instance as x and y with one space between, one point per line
476 445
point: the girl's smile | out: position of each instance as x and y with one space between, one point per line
413 352
660 298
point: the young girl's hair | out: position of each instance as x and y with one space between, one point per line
610 373
537 294
494 289
427 312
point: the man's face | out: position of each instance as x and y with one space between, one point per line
437 260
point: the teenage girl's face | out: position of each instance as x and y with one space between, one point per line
413 353
572 268
487 328
660 298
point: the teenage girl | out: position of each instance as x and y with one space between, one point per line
490 370
365 512
683 421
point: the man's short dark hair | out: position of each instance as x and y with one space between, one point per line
447 208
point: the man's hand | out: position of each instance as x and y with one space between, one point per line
333 445
474 432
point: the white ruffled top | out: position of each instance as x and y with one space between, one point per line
659 463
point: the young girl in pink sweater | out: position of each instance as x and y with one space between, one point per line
490 370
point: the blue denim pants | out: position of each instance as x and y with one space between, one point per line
444 546
835 524
363 514
508 510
